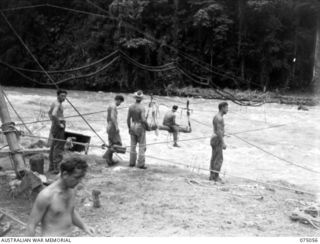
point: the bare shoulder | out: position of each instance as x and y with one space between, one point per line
217 118
44 197
111 107
53 104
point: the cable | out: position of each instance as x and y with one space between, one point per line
180 52
190 77
23 7
159 68
65 70
261 149
67 79
282 159
231 97
21 74
90 74
235 176
171 47
36 60
71 116
4 146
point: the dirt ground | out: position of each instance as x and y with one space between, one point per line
166 200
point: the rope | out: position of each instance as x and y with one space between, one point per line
71 116
4 146
181 164
235 176
280 158
24 7
66 70
36 60
231 97
22 74
159 68
64 80
12 217
190 77
128 147
267 152
88 75
128 25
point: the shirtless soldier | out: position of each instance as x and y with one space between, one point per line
113 129
137 125
217 142
57 131
55 205
170 121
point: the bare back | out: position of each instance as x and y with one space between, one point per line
137 113
169 119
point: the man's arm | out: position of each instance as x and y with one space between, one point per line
77 221
129 118
39 209
143 117
114 117
50 111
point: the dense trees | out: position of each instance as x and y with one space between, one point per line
257 44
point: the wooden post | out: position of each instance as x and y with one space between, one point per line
11 136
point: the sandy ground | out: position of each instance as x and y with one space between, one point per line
163 200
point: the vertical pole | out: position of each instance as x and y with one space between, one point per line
11 135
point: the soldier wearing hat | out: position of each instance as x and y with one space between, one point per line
137 125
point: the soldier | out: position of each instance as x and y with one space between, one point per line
217 142
170 121
55 205
113 129
137 125
57 131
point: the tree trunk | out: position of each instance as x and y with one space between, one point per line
241 22
316 66
291 73
122 33
241 34
264 77
176 37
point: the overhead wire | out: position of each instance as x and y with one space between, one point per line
160 68
79 11
265 151
229 96
50 78
235 176
64 80
66 70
